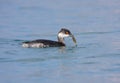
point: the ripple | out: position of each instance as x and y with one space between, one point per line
114 55
23 60
89 63
93 33
112 69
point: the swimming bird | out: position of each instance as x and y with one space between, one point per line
42 43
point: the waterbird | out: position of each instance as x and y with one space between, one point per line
43 43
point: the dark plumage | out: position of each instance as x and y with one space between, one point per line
49 43
43 43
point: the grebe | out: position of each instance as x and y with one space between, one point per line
41 43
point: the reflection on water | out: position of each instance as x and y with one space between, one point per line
95 25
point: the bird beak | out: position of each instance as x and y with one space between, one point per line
74 40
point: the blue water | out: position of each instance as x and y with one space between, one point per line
94 23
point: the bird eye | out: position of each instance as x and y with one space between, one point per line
66 33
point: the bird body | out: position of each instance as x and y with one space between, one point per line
41 43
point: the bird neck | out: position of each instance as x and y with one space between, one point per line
61 39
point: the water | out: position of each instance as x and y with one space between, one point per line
95 24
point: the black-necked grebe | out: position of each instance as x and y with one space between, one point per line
40 43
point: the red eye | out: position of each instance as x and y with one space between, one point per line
66 33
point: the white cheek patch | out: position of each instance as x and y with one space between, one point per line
62 35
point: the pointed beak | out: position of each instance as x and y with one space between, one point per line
74 40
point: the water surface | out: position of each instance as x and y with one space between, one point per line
95 24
